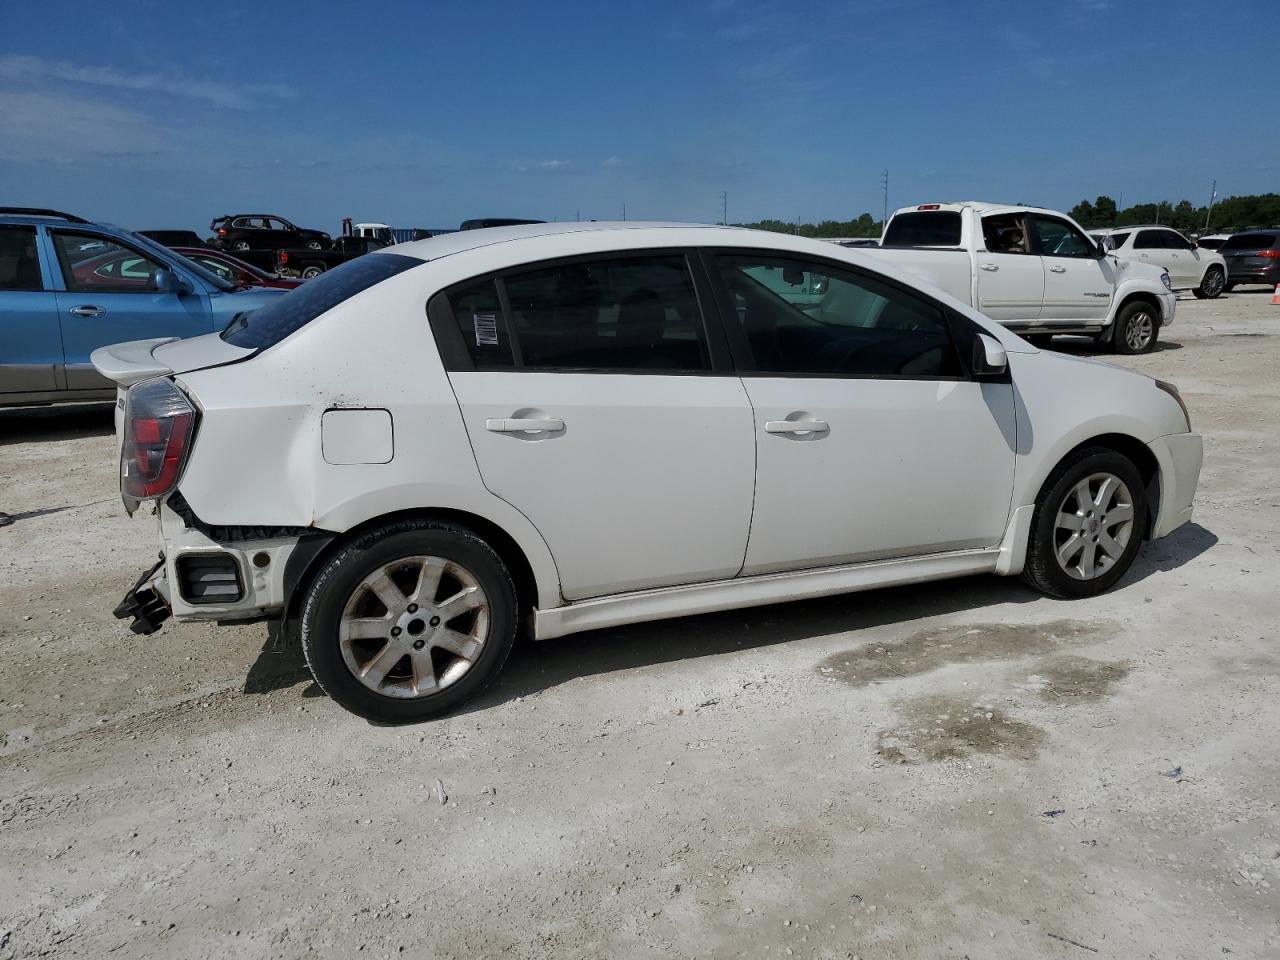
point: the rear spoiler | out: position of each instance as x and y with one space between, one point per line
127 363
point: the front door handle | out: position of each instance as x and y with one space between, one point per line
1057 268
989 266
88 310
796 426
529 425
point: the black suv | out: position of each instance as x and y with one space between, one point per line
264 231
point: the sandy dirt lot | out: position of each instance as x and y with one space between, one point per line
962 769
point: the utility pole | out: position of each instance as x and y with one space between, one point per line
884 185
724 207
624 212
1213 195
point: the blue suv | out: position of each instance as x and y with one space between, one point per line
68 286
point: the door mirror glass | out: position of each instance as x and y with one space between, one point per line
989 359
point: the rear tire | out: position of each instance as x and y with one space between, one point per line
1042 340
1212 285
240 245
396 661
1136 328
312 270
1080 546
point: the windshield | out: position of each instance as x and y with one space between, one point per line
939 228
269 325
166 254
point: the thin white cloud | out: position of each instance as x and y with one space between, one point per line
39 70
52 128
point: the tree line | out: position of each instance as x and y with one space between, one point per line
1228 214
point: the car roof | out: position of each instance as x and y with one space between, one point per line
977 206
1137 226
433 248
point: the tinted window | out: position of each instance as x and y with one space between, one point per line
808 318
19 263
1006 233
938 228
1158 240
478 313
1249 241
1118 239
284 315
91 263
1057 238
1210 243
626 313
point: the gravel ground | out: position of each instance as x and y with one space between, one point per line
962 769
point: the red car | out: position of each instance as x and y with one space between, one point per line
234 270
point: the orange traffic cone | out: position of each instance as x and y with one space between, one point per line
1275 297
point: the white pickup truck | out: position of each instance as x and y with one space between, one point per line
1032 270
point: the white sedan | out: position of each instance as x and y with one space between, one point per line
555 428
1199 269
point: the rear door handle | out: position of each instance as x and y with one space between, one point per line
530 425
796 426
1057 269
88 310
989 266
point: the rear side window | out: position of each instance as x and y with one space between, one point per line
269 325
1006 233
936 228
19 264
1118 239
1249 241
478 313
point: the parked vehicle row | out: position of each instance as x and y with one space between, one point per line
1032 270
853 427
68 286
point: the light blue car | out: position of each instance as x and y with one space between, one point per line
68 286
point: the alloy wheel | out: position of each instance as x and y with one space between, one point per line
413 627
1140 330
1093 527
1213 283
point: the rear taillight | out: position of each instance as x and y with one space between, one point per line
158 425
1272 254
222 231
282 257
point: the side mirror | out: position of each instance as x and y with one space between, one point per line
1105 245
166 281
989 359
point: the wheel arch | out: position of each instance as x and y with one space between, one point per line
315 549
1137 453
1140 296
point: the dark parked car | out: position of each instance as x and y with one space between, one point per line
1252 257
175 238
264 231
234 270
311 263
494 222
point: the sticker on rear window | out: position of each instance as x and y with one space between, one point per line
486 327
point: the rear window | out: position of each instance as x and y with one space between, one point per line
269 325
938 228
1249 241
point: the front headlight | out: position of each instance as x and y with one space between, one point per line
1164 278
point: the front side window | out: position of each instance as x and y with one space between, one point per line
19 262
97 264
1006 233
809 318
1057 238
286 314
619 313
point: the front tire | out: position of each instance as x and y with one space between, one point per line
1088 525
1137 327
313 245
240 246
1212 286
409 621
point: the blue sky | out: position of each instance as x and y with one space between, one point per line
167 114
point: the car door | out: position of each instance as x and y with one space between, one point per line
1078 283
30 342
281 234
594 407
871 440
109 296
1186 258
1010 275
